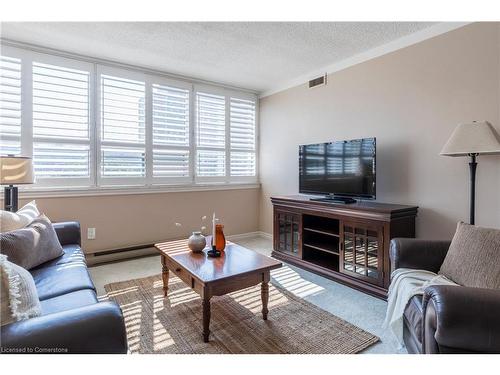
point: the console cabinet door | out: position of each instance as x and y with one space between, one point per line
287 232
362 251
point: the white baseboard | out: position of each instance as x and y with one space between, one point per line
243 236
269 236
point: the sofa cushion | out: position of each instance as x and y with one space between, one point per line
56 280
17 220
72 254
31 246
473 259
413 317
68 301
18 295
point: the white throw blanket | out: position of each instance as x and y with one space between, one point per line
405 283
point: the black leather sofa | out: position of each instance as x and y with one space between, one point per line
72 320
446 319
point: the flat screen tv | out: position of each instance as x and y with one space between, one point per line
339 170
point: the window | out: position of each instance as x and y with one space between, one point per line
171 133
242 138
91 125
61 134
210 135
10 105
123 129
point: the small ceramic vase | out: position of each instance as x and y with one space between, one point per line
197 242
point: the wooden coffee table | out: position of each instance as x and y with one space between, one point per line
236 269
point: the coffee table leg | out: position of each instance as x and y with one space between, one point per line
264 294
206 318
164 275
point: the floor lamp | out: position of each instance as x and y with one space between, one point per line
472 140
14 170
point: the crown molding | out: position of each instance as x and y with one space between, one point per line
405 41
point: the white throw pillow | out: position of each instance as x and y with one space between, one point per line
17 220
18 295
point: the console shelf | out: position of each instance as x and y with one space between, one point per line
348 243
322 232
320 249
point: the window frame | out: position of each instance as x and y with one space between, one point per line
95 67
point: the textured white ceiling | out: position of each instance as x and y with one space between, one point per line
253 55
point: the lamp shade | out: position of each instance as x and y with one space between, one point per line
16 170
473 138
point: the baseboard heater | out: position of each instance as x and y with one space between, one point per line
123 250
125 253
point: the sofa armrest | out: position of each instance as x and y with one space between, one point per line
97 328
418 254
459 319
68 232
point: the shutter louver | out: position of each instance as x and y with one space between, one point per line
60 160
210 135
123 128
242 164
211 120
242 136
171 132
10 105
61 146
242 124
60 102
122 162
170 116
211 163
123 110
170 163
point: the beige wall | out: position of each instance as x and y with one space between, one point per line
128 220
411 100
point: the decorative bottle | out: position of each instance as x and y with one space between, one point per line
220 239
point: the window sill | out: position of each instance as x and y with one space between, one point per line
46 192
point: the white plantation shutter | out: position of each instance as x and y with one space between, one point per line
170 163
123 110
210 135
242 137
91 125
122 162
61 135
171 133
242 164
211 120
10 106
122 129
211 163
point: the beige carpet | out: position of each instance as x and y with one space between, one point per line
173 325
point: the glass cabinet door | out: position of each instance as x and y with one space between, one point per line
288 232
362 252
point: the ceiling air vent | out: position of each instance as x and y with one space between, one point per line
320 81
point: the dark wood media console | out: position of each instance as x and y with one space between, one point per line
348 243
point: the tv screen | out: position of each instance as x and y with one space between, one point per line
342 168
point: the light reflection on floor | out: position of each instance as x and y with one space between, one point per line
294 283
